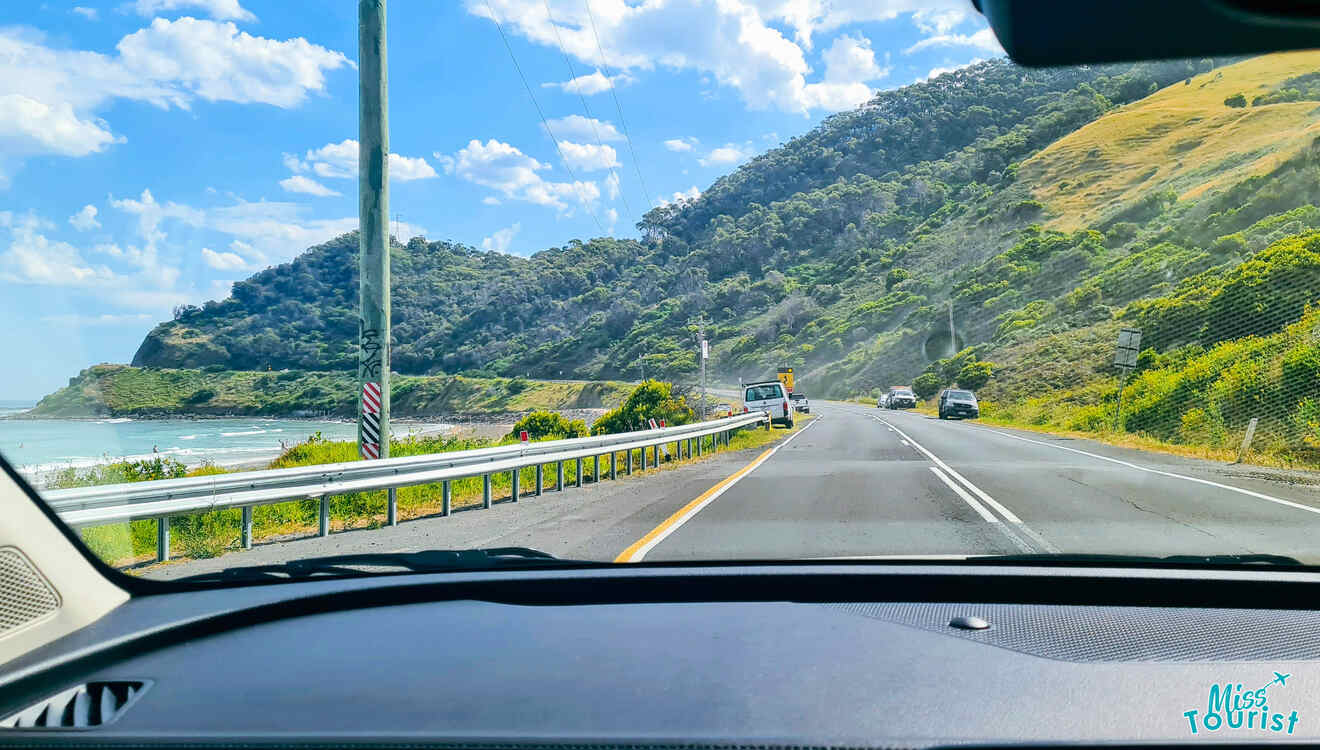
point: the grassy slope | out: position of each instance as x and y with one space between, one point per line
120 390
1181 138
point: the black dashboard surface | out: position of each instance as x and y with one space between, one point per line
284 663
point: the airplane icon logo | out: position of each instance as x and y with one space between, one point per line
1280 678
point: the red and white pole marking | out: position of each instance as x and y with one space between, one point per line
371 420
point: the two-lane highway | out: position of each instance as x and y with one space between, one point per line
875 483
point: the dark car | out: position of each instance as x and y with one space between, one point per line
902 398
960 404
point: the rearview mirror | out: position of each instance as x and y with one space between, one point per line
1072 32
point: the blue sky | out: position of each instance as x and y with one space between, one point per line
154 151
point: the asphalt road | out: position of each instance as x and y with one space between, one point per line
864 482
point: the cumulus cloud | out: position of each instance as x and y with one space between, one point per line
223 261
50 97
221 10
612 187
501 239
681 144
30 257
729 153
592 83
515 175
941 70
982 40
88 13
577 127
588 157
85 219
736 42
690 194
849 63
340 161
301 184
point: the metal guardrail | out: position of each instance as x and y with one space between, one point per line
160 499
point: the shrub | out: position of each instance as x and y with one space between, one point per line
650 400
1236 100
926 385
200 396
974 375
548 425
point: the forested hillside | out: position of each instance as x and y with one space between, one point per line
834 253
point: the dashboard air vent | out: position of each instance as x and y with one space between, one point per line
83 707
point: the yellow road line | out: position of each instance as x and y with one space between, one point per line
638 549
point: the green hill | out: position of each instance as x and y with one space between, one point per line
122 391
1040 210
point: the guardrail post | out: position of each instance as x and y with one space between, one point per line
614 465
392 508
627 464
643 458
162 539
595 471
323 523
514 478
559 478
577 476
655 453
446 497
247 527
485 490
540 479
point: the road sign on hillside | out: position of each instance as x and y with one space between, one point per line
1129 346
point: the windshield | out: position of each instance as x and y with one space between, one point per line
562 237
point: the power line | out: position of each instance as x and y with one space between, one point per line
544 122
572 76
606 69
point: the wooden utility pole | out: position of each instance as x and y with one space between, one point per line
373 235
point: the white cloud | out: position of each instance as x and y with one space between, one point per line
611 218
491 200
849 63
50 97
88 13
223 261
501 239
681 144
612 187
592 83
729 153
983 40
584 129
504 168
737 43
32 258
221 10
85 219
690 194
340 161
588 157
301 184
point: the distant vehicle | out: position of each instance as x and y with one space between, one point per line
901 397
960 404
771 397
800 402
883 401
723 410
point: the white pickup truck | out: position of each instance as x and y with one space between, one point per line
771 397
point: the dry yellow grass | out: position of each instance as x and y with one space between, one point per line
1181 138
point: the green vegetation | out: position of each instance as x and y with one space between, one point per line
212 534
120 390
650 400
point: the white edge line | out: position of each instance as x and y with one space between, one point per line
640 553
1007 514
1139 467
987 515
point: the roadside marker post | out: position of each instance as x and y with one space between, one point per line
1246 440
1125 357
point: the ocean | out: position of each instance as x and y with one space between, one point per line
38 447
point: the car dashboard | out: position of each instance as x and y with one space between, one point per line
838 655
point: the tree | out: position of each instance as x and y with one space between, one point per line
974 375
1236 100
926 385
548 425
650 400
